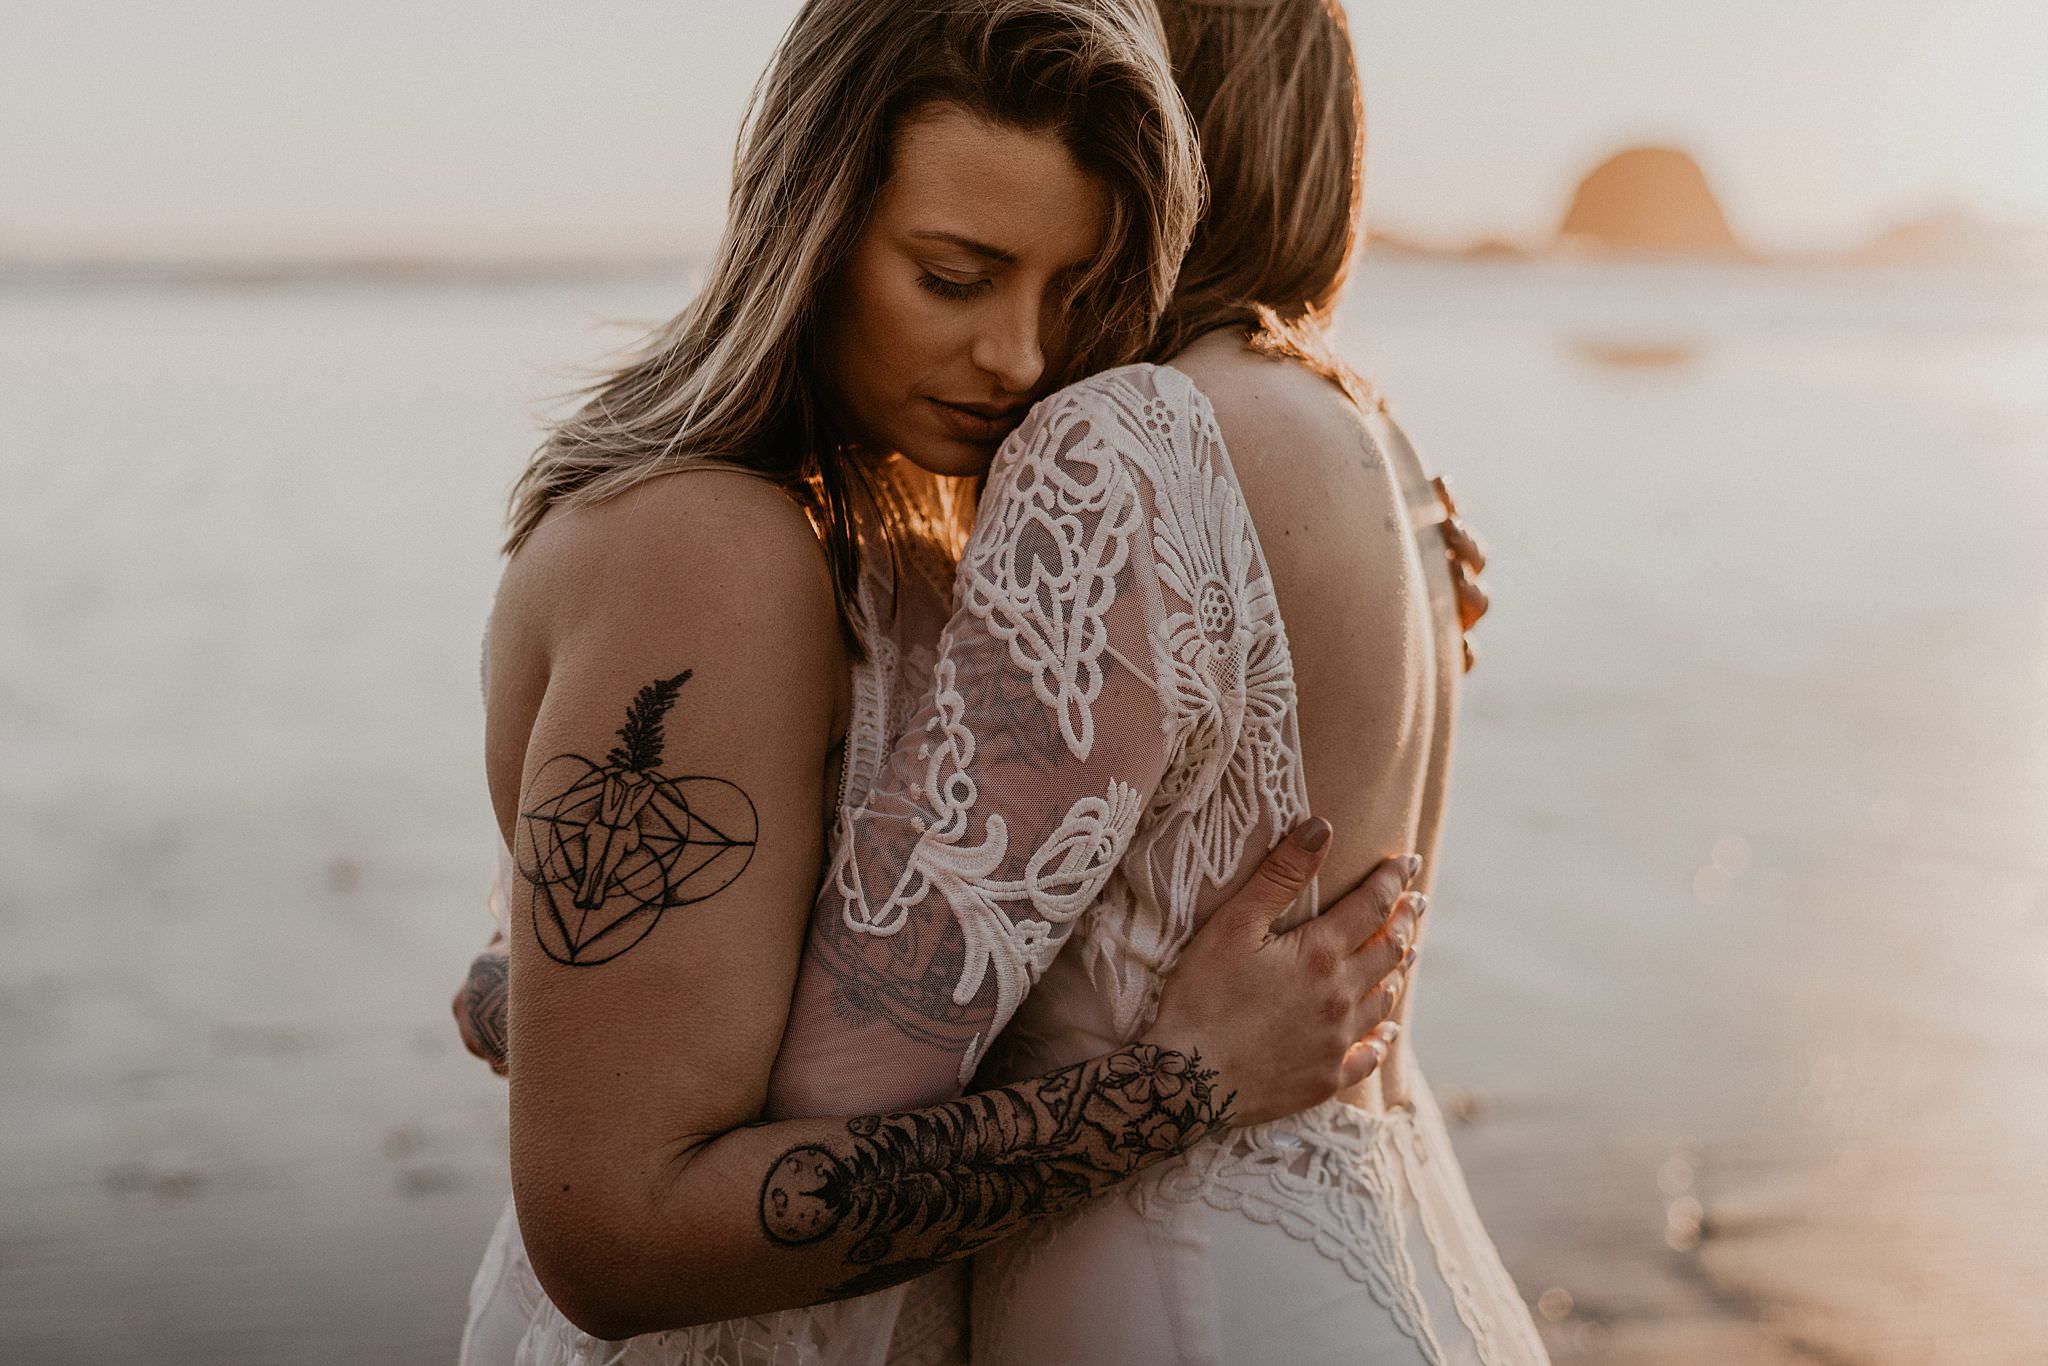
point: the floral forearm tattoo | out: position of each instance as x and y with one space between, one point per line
609 845
908 1192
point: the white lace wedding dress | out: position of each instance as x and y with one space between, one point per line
1106 748
1110 749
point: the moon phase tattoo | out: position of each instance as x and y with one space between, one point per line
609 846
911 1191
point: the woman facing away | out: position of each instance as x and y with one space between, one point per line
1194 607
931 195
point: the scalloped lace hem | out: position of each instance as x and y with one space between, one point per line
1341 1180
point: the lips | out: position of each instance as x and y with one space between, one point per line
979 422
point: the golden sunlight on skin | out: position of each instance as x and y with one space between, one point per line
950 305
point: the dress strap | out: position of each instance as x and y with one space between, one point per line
1426 509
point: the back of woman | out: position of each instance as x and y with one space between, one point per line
1350 526
1295 593
1344 1233
1333 518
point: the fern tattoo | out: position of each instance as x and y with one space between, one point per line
640 739
608 847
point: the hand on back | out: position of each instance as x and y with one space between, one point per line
1288 1020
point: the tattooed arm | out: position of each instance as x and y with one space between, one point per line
666 685
657 734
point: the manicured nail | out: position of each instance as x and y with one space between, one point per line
1407 959
1418 903
1390 1030
1312 834
1410 866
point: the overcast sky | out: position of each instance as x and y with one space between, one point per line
220 128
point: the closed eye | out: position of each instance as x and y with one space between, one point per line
952 289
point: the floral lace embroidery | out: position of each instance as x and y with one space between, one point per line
1100 554
1012 926
1041 571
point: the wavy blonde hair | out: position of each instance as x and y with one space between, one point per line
735 378
1273 88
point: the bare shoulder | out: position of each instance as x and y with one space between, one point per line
719 570
1333 528
1269 405
716 546
1302 451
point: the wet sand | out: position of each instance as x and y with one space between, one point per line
1739 967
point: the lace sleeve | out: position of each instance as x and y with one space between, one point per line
1016 790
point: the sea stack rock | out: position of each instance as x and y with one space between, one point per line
1648 201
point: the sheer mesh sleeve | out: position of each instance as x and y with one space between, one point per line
1018 787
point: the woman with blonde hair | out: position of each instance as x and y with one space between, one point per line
1203 598
942 209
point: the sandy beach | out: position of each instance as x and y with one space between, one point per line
1737 979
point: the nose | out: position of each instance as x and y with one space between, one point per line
1011 345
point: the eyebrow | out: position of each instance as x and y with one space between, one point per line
996 254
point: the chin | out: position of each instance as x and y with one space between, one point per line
950 456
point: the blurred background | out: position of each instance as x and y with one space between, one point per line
1729 323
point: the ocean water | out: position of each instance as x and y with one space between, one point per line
1739 967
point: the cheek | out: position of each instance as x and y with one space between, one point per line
859 357
883 335
918 333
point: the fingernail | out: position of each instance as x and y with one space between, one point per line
1407 959
1418 903
1410 867
1312 834
1390 1031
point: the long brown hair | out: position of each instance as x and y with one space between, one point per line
1273 88
734 378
